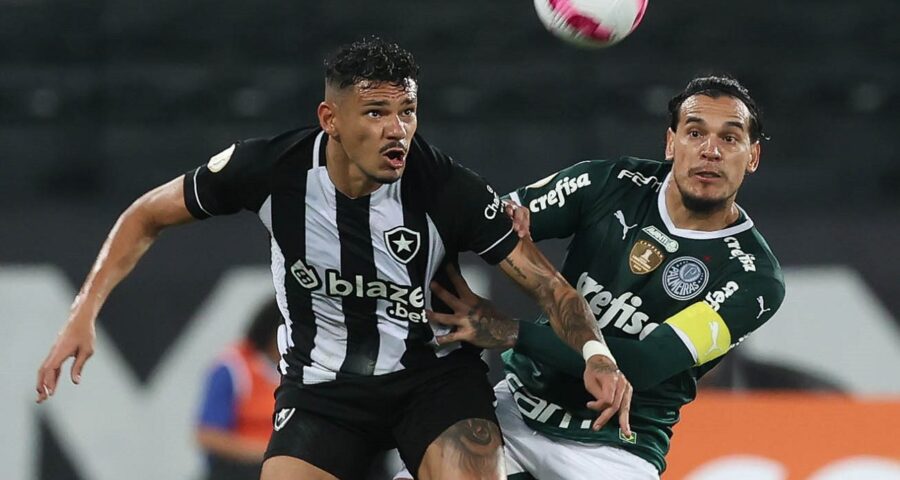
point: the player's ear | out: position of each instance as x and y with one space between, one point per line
326 113
670 144
754 157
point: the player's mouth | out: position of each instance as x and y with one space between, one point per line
705 175
395 156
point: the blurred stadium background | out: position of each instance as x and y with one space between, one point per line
102 100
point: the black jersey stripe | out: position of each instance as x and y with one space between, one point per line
418 351
357 265
290 180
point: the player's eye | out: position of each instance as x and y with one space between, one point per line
409 112
373 113
694 133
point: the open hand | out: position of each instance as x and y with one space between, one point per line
475 319
75 340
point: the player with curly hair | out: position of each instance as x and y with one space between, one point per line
362 214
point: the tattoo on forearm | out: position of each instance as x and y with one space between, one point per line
474 446
493 328
602 368
570 315
576 322
515 268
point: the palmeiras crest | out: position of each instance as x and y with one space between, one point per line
402 243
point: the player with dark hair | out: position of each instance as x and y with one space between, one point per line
674 271
362 213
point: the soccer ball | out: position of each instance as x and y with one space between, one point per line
591 23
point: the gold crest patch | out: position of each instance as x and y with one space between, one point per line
644 258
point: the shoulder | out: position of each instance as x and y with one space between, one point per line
425 161
622 170
640 172
435 174
274 147
752 262
753 253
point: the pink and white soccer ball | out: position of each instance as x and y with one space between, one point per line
591 23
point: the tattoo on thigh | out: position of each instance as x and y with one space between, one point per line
474 444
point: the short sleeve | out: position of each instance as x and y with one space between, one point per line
235 179
730 311
561 202
479 223
218 408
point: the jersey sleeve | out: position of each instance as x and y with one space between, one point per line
476 212
566 200
235 179
730 311
218 408
645 363
697 336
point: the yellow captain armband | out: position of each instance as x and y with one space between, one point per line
703 331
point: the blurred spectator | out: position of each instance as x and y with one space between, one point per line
236 414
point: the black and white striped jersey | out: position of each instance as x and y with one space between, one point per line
352 275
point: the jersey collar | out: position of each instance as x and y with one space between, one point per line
697 234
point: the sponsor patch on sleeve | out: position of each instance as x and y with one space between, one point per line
703 330
218 161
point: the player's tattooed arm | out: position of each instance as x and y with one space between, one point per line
574 323
570 316
492 328
480 323
469 449
476 319
571 319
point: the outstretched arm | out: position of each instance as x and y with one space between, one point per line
570 316
129 239
478 322
647 363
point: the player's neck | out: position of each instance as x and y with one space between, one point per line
346 177
687 219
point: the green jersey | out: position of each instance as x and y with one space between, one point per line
669 301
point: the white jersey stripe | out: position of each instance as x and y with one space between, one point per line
285 338
385 213
436 256
265 214
316 145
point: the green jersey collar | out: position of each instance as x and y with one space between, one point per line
746 224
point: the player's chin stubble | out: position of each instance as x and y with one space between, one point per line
698 204
702 205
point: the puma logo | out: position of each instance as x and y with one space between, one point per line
762 307
625 228
714 331
282 417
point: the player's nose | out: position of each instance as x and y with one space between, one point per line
710 150
395 128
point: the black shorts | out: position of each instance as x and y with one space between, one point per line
340 426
